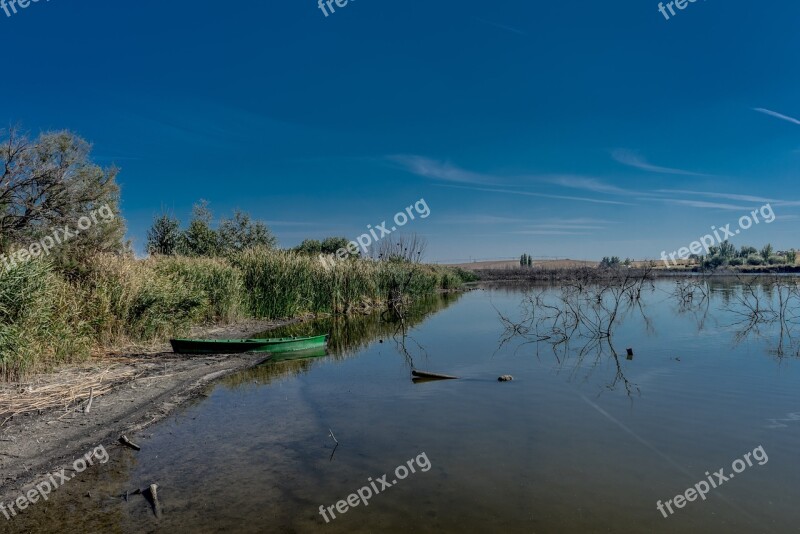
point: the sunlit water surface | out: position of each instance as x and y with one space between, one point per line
573 444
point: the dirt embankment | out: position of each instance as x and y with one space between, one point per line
135 391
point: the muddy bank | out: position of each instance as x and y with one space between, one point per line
142 389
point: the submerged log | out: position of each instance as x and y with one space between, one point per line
432 376
153 493
128 443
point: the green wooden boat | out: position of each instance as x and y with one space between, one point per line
318 352
274 345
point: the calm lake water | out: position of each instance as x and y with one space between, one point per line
583 439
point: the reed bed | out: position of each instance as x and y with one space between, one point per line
286 284
48 318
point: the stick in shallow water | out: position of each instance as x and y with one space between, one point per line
128 443
154 496
436 376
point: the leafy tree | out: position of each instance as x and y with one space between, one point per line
309 246
766 252
51 182
530 261
714 261
164 236
331 244
199 239
791 257
744 252
523 260
611 262
240 232
727 250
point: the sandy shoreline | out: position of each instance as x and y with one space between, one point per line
34 444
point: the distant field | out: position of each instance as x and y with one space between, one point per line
514 264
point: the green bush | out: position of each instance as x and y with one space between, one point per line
754 259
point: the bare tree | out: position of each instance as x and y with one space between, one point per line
409 247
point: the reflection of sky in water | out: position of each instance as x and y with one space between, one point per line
556 450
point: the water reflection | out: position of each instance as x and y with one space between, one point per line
348 336
577 321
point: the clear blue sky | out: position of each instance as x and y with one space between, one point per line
561 128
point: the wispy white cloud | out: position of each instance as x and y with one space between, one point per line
438 170
552 223
482 219
588 184
632 159
541 195
501 26
566 227
704 204
729 196
444 171
733 196
548 232
777 115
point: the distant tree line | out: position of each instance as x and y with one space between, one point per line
199 238
614 261
726 254
526 260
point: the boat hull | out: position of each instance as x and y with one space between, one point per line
237 346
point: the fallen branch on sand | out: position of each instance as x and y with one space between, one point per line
64 390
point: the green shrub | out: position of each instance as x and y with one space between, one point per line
754 259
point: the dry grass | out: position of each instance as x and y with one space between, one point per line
66 390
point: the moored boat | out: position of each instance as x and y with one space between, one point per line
235 346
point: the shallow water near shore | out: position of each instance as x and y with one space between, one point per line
583 439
